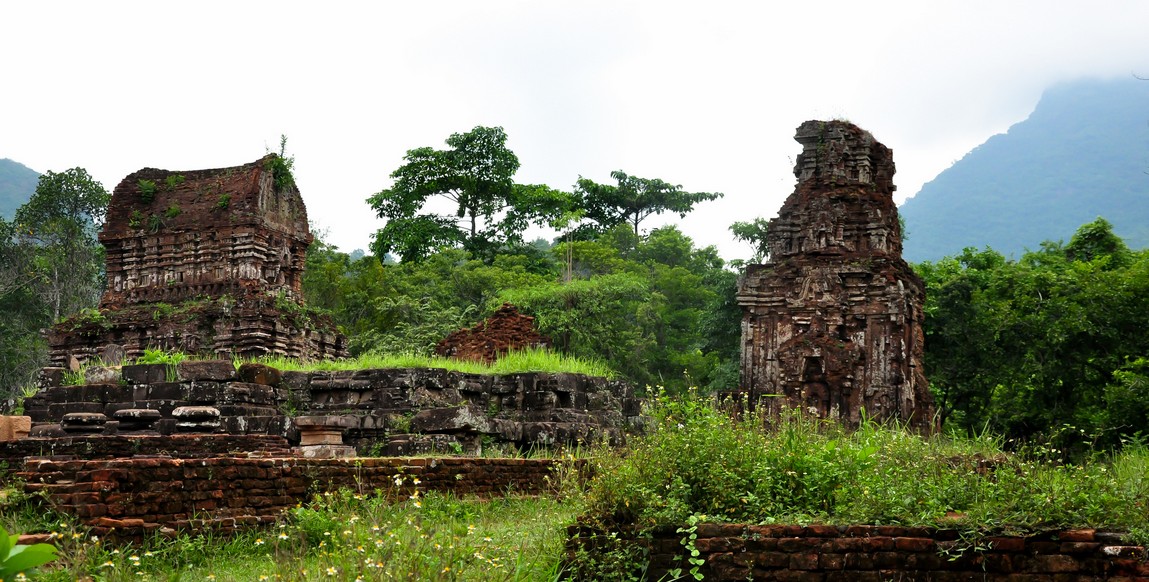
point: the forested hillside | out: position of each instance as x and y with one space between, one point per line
1082 153
17 182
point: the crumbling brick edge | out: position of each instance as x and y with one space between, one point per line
128 498
873 553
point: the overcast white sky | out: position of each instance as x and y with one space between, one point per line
702 94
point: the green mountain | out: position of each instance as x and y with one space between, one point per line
17 184
1082 153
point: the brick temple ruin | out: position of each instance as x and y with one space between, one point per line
206 262
210 263
832 322
504 331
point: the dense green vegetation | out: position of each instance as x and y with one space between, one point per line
1051 347
701 462
51 266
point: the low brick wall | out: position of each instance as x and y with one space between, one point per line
878 553
139 495
185 446
395 411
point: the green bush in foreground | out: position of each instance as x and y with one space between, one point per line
700 463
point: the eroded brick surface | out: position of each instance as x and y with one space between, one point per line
505 330
832 322
735 552
204 262
129 497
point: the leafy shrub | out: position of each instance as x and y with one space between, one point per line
147 190
173 180
699 460
17 558
158 356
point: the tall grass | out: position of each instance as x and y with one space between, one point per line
518 361
344 537
702 463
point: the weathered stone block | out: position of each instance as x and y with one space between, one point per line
215 370
83 422
259 374
106 393
453 419
168 391
147 373
196 418
101 375
50 377
14 428
132 419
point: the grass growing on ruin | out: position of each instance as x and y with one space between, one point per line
515 362
530 360
343 537
699 462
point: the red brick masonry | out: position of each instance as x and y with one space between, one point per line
138 495
820 553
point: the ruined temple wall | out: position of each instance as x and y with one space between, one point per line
874 553
239 323
134 496
176 266
524 410
832 323
207 262
203 234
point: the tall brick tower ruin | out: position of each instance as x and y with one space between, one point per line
207 262
832 322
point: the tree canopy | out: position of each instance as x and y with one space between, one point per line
1038 348
475 175
633 200
61 219
51 266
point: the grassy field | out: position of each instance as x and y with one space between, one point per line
340 537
